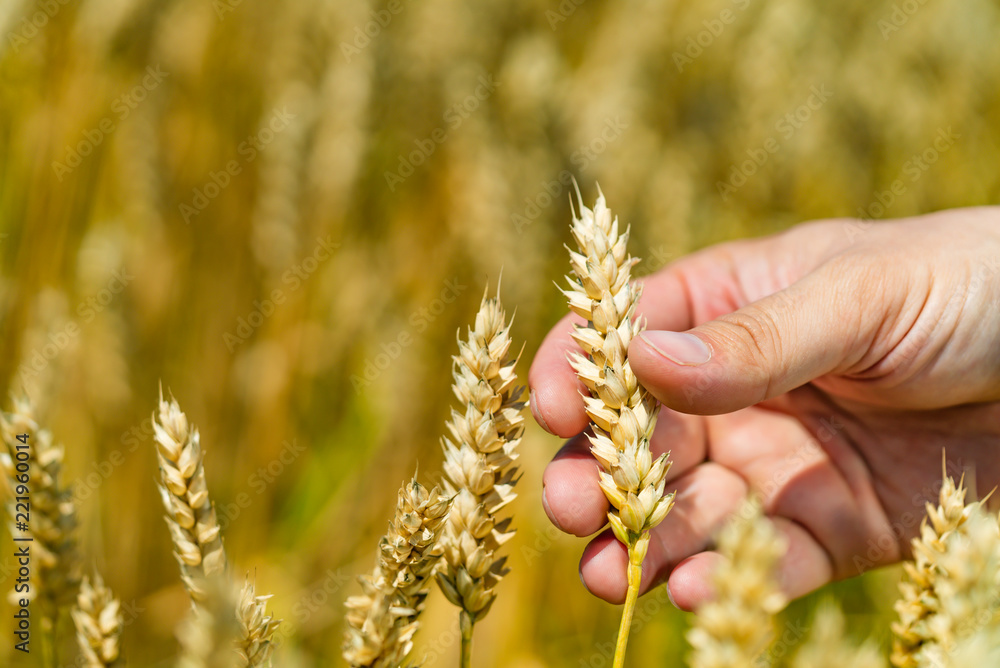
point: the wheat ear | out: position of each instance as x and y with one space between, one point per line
966 586
98 619
621 411
256 643
381 622
197 538
735 627
194 527
52 521
827 646
480 466
919 601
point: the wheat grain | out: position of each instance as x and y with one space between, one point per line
98 619
919 599
382 621
190 517
256 644
621 411
480 465
735 627
53 523
827 646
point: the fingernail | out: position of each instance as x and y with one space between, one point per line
579 572
678 347
548 511
670 595
537 413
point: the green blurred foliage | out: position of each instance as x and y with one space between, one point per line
211 152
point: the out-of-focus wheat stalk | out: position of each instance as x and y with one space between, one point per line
480 467
190 517
735 627
382 621
920 601
211 630
32 464
621 411
827 645
98 619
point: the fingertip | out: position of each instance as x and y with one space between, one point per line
603 568
571 496
555 390
690 583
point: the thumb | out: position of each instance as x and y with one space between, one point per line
814 327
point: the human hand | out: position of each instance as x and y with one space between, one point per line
825 368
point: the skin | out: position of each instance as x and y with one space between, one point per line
844 357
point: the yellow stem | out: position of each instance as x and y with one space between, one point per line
465 624
634 578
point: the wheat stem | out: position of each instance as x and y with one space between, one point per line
635 552
465 624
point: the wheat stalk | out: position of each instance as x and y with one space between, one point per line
382 621
257 628
919 601
98 619
52 520
827 646
735 627
621 411
212 628
190 517
480 466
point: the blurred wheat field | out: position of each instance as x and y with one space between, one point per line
285 210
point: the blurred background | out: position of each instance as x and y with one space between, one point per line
286 209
